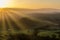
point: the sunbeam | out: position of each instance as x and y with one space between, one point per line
15 20
4 31
11 29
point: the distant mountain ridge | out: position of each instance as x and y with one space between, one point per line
42 10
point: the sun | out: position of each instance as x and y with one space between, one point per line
4 3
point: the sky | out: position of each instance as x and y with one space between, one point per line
34 4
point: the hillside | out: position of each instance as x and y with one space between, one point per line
18 24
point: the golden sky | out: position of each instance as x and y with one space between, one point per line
31 3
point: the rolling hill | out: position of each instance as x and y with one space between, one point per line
16 24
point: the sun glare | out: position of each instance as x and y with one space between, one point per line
4 3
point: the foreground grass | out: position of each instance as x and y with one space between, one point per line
31 35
